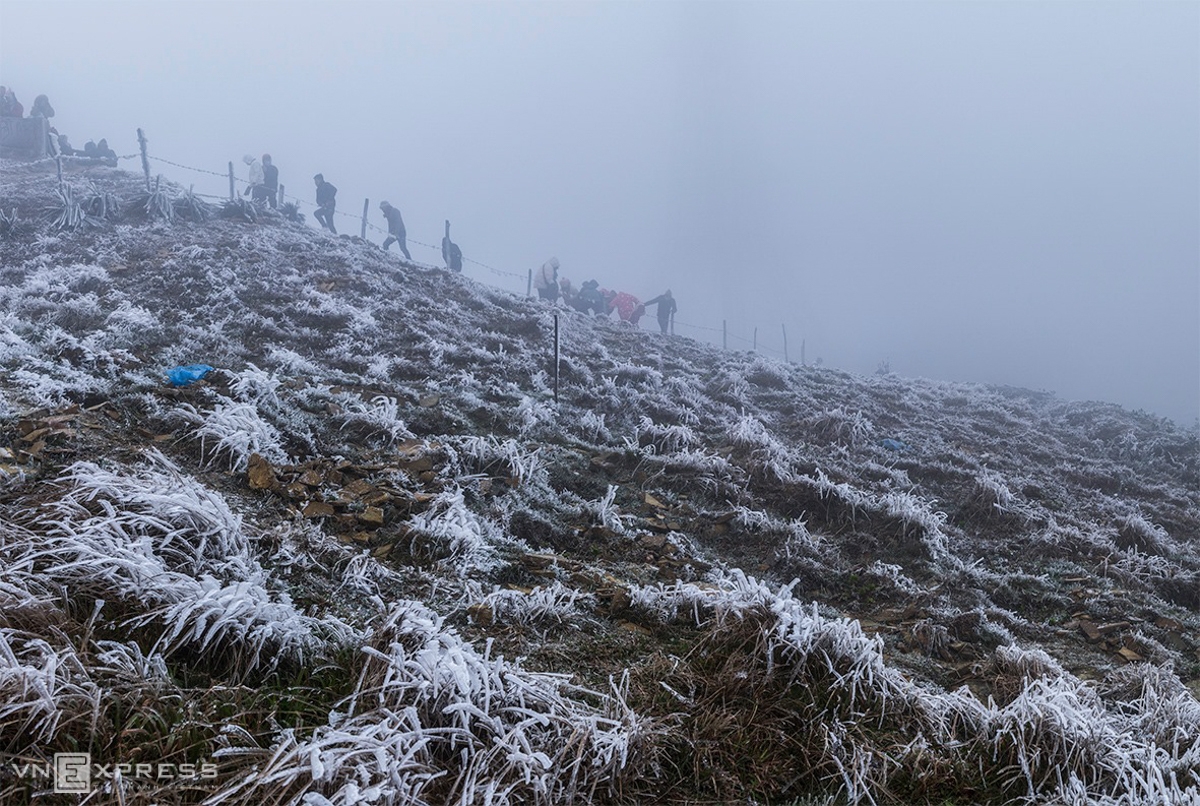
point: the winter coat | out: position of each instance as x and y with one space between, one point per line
666 307
325 194
256 170
589 299
271 177
547 276
626 306
395 222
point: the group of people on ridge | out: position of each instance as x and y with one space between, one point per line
56 144
592 299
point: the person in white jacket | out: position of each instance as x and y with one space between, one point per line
546 280
258 179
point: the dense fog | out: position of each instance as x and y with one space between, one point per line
1001 192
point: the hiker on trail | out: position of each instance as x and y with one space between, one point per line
451 254
10 107
590 299
546 281
666 309
256 190
326 205
270 179
396 233
628 307
567 290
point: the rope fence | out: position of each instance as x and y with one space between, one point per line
236 181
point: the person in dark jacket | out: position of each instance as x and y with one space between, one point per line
590 299
326 203
270 179
451 254
666 309
396 233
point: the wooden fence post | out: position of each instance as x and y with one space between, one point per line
366 205
232 195
529 285
280 194
145 159
802 362
785 352
724 334
58 164
755 348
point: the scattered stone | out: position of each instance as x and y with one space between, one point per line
653 542
317 509
260 473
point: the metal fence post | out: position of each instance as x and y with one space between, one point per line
556 358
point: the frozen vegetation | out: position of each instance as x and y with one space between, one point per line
369 559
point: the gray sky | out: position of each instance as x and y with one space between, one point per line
1001 192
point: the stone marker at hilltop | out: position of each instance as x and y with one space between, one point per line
24 138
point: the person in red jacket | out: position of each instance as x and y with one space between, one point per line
628 307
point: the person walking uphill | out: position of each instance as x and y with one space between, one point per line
270 179
326 204
666 309
257 178
546 281
628 307
396 233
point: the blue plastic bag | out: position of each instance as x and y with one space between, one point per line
186 376
894 445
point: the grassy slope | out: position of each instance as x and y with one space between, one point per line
381 434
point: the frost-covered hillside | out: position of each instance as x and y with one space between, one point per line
370 559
